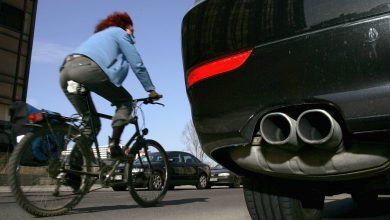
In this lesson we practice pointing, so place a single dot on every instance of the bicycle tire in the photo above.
(43, 189)
(148, 182)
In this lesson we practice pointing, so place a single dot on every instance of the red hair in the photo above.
(116, 19)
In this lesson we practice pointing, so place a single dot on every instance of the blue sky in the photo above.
(62, 25)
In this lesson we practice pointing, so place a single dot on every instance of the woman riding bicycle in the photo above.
(100, 64)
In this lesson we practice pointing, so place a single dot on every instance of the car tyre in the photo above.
(270, 200)
(202, 182)
(236, 183)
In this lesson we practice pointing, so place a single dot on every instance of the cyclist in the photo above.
(100, 64)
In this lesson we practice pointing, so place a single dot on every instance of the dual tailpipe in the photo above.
(315, 127)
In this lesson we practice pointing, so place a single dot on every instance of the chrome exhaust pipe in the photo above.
(319, 129)
(279, 129)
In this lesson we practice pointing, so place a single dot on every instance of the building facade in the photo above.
(17, 20)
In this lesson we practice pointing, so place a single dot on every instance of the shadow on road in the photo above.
(182, 201)
(212, 188)
(118, 207)
(347, 209)
(101, 209)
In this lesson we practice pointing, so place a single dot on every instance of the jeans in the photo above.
(86, 72)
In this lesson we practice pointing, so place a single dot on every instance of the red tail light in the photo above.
(35, 117)
(217, 67)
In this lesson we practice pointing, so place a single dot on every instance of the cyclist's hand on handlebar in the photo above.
(154, 95)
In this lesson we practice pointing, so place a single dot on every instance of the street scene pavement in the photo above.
(187, 203)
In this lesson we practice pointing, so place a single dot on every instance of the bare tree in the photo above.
(191, 140)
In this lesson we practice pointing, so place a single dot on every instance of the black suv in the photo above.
(185, 169)
(294, 95)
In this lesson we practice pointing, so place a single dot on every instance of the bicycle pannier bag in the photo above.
(42, 148)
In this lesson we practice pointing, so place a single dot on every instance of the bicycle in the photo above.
(59, 182)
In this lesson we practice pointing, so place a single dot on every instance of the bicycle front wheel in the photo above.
(148, 177)
(47, 169)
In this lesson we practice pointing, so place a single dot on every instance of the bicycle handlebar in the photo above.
(150, 100)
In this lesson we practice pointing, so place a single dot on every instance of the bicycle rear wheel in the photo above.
(148, 176)
(52, 184)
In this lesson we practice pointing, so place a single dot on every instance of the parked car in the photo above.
(185, 169)
(293, 95)
(188, 170)
(220, 176)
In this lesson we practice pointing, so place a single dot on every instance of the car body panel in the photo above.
(341, 88)
(214, 28)
(330, 55)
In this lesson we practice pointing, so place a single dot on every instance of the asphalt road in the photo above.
(187, 203)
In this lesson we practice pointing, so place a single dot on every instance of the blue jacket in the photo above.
(113, 50)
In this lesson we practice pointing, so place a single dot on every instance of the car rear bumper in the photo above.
(221, 181)
(343, 69)
(338, 68)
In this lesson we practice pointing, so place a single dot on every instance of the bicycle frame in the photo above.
(70, 168)
(134, 141)
(134, 121)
